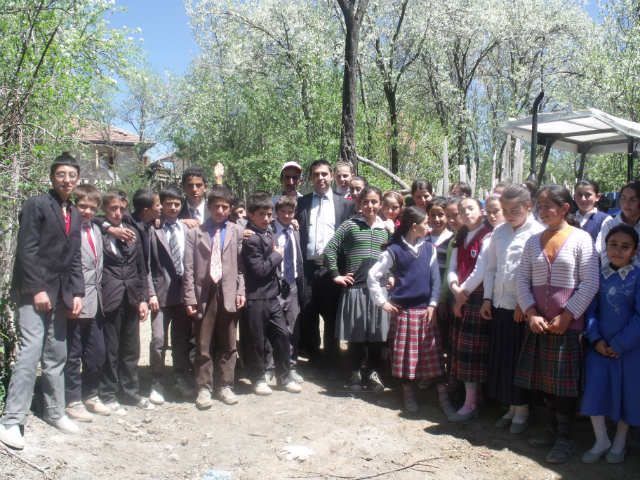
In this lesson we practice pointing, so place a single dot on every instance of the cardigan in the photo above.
(569, 283)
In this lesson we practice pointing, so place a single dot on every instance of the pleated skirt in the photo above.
(359, 319)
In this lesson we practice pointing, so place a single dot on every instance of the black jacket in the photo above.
(261, 265)
(166, 283)
(123, 273)
(47, 260)
(133, 223)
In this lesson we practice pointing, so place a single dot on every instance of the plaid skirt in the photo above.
(471, 342)
(552, 363)
(415, 346)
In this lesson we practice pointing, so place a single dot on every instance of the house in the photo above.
(107, 154)
(175, 162)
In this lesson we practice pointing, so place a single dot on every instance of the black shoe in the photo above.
(544, 440)
(332, 373)
(562, 451)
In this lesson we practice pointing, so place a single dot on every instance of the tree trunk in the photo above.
(353, 21)
(390, 93)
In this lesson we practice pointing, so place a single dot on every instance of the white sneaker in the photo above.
(292, 387)
(156, 397)
(95, 406)
(296, 377)
(63, 424)
(261, 388)
(145, 404)
(11, 436)
(227, 396)
(204, 399)
(77, 411)
(116, 408)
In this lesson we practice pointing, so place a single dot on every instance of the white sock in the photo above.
(522, 413)
(510, 414)
(470, 399)
(602, 439)
(620, 439)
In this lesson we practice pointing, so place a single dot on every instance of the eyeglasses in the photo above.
(62, 175)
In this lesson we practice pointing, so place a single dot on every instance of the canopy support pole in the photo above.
(630, 160)
(547, 149)
(534, 136)
(583, 159)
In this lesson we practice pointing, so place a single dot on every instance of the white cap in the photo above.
(291, 165)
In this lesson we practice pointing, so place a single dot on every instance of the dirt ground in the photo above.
(325, 432)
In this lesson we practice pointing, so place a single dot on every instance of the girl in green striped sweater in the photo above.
(359, 321)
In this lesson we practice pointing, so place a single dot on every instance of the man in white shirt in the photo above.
(290, 179)
(194, 211)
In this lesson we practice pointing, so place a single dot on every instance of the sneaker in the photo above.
(95, 406)
(182, 387)
(355, 384)
(63, 424)
(144, 404)
(261, 388)
(292, 387)
(116, 408)
(269, 376)
(296, 377)
(157, 395)
(411, 404)
(11, 436)
(424, 384)
(77, 411)
(227, 396)
(562, 450)
(375, 383)
(204, 399)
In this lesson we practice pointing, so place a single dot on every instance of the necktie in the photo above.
(320, 229)
(66, 213)
(216, 258)
(174, 246)
(87, 229)
(195, 214)
(289, 270)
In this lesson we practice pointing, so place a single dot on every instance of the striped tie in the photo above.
(174, 246)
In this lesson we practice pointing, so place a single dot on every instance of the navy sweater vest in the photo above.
(593, 224)
(412, 274)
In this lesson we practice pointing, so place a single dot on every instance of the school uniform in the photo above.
(290, 275)
(319, 216)
(200, 213)
(592, 221)
(85, 340)
(124, 288)
(265, 317)
(48, 259)
(166, 267)
(213, 277)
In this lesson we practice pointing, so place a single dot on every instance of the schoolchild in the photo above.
(493, 209)
(439, 235)
(356, 184)
(360, 321)
(414, 335)
(497, 271)
(471, 332)
(392, 203)
(421, 192)
(630, 215)
(48, 287)
(557, 280)
(612, 382)
(460, 189)
(85, 340)
(587, 195)
(343, 174)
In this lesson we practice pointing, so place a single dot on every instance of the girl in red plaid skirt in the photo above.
(471, 332)
(414, 335)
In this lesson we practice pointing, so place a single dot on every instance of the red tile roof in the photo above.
(114, 135)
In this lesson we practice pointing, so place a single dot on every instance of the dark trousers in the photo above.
(85, 359)
(121, 329)
(365, 356)
(174, 321)
(291, 308)
(320, 298)
(265, 320)
(215, 335)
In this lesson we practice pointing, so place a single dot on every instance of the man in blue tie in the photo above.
(291, 275)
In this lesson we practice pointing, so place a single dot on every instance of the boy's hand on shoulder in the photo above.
(154, 306)
(279, 250)
(122, 233)
(191, 310)
(143, 309)
(295, 224)
(191, 223)
(240, 301)
(247, 233)
(41, 302)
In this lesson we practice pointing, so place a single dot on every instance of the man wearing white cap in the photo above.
(290, 178)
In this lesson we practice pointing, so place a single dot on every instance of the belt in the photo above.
(316, 261)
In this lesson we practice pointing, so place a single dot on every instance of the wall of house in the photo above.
(108, 173)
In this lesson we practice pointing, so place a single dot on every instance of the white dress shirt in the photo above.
(180, 234)
(452, 274)
(385, 263)
(315, 249)
(203, 212)
(112, 242)
(281, 238)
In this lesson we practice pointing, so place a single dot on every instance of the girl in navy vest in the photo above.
(414, 335)
(471, 332)
(590, 219)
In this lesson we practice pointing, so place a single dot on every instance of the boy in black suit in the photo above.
(290, 274)
(265, 317)
(48, 286)
(166, 266)
(125, 291)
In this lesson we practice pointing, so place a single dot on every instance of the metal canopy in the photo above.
(585, 132)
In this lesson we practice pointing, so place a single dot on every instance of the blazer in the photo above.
(299, 262)
(122, 273)
(344, 209)
(92, 270)
(47, 260)
(261, 263)
(165, 283)
(197, 258)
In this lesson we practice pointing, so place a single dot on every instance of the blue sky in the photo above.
(167, 35)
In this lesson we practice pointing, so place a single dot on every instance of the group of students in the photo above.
(499, 298)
